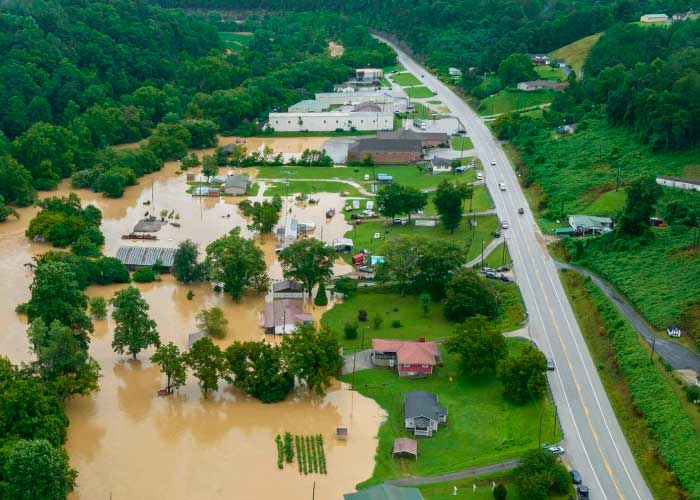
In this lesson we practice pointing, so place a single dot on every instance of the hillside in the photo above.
(575, 53)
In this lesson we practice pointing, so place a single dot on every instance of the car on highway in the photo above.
(461, 131)
(556, 449)
(521, 210)
(575, 477)
(550, 365)
(493, 162)
(504, 224)
(502, 186)
(582, 492)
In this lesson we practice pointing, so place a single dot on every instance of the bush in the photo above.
(321, 297)
(396, 324)
(98, 307)
(346, 286)
(144, 275)
(500, 492)
(377, 321)
(693, 393)
(350, 330)
(362, 315)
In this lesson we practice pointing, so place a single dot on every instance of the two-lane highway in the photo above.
(594, 441)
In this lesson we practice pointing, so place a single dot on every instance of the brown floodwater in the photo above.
(128, 443)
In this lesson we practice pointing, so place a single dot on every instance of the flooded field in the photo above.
(128, 443)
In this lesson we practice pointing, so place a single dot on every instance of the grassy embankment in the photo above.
(549, 73)
(509, 100)
(420, 92)
(575, 53)
(405, 79)
(235, 41)
(408, 310)
(461, 143)
(482, 426)
(639, 434)
(444, 491)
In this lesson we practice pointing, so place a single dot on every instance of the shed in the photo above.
(385, 178)
(134, 257)
(674, 331)
(236, 184)
(405, 447)
(341, 433)
(439, 165)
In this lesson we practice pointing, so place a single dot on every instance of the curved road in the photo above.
(594, 441)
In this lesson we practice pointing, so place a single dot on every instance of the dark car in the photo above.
(505, 279)
(496, 234)
(492, 275)
(521, 210)
(503, 269)
(582, 492)
(575, 477)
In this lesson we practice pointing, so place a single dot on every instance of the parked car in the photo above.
(366, 177)
(505, 279)
(479, 176)
(496, 234)
(550, 364)
(492, 275)
(502, 186)
(521, 210)
(575, 477)
(582, 492)
(459, 170)
(493, 162)
(556, 449)
(487, 270)
(503, 269)
(461, 131)
(399, 220)
(504, 224)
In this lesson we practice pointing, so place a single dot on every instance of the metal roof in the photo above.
(146, 256)
(422, 404)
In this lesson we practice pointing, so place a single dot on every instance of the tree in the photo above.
(258, 369)
(212, 322)
(62, 358)
(189, 161)
(98, 307)
(540, 474)
(689, 320)
(313, 356)
(516, 68)
(390, 200)
(479, 346)
(209, 166)
(237, 263)
(321, 297)
(437, 262)
(56, 295)
(345, 286)
(467, 295)
(500, 492)
(641, 199)
(145, 275)
(49, 152)
(424, 298)
(414, 200)
(172, 364)
(448, 201)
(35, 469)
(134, 330)
(523, 377)
(400, 262)
(15, 182)
(185, 267)
(208, 364)
(309, 261)
(265, 216)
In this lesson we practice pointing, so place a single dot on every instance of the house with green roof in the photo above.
(385, 492)
(309, 106)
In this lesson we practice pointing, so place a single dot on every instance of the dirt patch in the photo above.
(335, 49)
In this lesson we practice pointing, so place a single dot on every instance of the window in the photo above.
(424, 366)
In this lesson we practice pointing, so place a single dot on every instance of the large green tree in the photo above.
(541, 474)
(172, 364)
(134, 329)
(15, 182)
(212, 322)
(258, 368)
(237, 263)
(448, 201)
(523, 376)
(467, 294)
(516, 68)
(265, 216)
(309, 261)
(313, 356)
(208, 364)
(479, 345)
(641, 200)
(185, 266)
(36, 470)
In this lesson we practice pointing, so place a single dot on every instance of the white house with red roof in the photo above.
(411, 359)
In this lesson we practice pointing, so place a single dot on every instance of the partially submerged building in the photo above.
(281, 317)
(287, 289)
(136, 257)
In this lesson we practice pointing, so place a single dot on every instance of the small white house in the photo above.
(654, 19)
(440, 166)
(454, 72)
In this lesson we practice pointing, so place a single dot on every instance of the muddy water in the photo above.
(128, 443)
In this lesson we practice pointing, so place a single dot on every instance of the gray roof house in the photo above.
(137, 257)
(439, 165)
(590, 224)
(422, 414)
(236, 184)
(287, 289)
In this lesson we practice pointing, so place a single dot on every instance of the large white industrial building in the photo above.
(357, 97)
(331, 121)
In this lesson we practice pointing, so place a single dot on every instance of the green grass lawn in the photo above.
(420, 92)
(549, 73)
(511, 100)
(498, 257)
(405, 79)
(575, 53)
(310, 187)
(481, 201)
(608, 203)
(444, 491)
(235, 40)
(363, 234)
(482, 426)
(393, 69)
(461, 143)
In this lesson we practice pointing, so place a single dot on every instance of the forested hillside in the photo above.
(466, 33)
(77, 76)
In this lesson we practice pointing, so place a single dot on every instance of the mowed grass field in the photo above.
(482, 427)
(549, 73)
(235, 40)
(310, 187)
(512, 100)
(405, 79)
(420, 92)
(575, 53)
(461, 143)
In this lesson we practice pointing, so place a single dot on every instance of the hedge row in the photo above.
(653, 396)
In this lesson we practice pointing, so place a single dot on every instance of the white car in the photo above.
(502, 186)
(493, 162)
(557, 450)
(480, 176)
(504, 224)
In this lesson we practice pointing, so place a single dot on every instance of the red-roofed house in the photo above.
(411, 359)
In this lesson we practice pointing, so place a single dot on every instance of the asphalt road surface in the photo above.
(594, 442)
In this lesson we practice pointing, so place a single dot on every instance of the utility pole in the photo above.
(482, 254)
(503, 258)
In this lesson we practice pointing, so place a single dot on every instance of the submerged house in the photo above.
(422, 414)
(281, 317)
(287, 289)
(134, 257)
